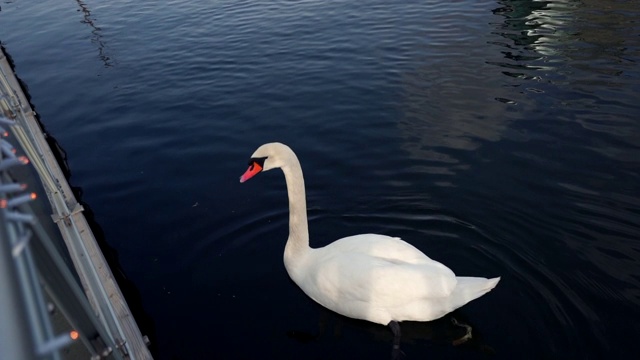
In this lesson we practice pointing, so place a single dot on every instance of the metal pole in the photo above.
(15, 335)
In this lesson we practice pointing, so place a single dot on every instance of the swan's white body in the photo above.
(370, 277)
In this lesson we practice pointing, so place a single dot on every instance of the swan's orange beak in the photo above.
(253, 169)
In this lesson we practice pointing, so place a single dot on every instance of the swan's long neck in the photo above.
(298, 242)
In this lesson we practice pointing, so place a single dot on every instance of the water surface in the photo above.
(500, 137)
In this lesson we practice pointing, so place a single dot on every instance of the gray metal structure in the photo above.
(58, 297)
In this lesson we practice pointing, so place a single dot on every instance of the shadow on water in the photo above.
(578, 62)
(567, 235)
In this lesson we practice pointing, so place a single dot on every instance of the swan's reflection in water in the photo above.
(453, 332)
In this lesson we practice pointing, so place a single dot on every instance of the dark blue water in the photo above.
(500, 137)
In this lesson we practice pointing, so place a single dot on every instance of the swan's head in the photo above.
(268, 156)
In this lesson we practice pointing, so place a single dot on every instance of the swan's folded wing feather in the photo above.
(376, 245)
(359, 278)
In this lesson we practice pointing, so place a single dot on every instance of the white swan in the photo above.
(371, 277)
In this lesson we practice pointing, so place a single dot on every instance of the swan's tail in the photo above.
(471, 288)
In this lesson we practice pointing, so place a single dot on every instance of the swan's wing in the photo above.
(376, 278)
(358, 279)
(387, 247)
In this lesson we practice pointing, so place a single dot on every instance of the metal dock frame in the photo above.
(98, 310)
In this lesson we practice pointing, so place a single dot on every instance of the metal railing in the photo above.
(55, 286)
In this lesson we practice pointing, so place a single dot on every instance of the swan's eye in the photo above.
(258, 161)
